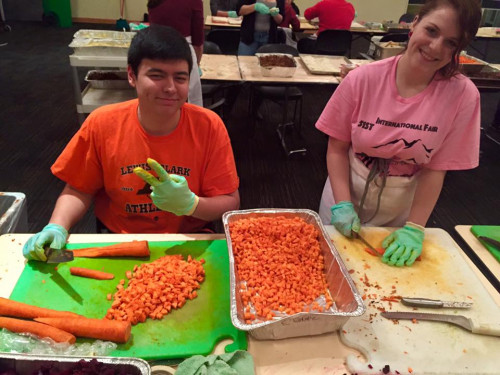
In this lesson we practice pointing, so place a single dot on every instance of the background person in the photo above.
(188, 20)
(197, 179)
(290, 24)
(392, 140)
(332, 14)
(260, 22)
(224, 8)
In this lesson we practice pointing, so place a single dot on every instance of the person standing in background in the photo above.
(260, 23)
(224, 8)
(186, 18)
(292, 20)
(332, 14)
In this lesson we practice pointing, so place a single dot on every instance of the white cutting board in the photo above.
(423, 347)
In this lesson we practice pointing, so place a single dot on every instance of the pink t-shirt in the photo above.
(438, 128)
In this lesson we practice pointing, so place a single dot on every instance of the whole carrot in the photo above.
(38, 329)
(23, 310)
(103, 329)
(92, 274)
(124, 249)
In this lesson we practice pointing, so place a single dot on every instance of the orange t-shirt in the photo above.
(101, 156)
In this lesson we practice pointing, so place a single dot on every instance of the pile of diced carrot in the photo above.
(467, 60)
(155, 288)
(280, 264)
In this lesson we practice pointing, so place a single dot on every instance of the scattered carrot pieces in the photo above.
(156, 288)
(410, 370)
(280, 264)
(467, 60)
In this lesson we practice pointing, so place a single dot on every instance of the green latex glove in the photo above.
(237, 363)
(170, 191)
(261, 8)
(232, 14)
(404, 245)
(200, 72)
(274, 11)
(345, 219)
(52, 234)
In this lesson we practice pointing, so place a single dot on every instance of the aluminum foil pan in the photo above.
(100, 47)
(103, 34)
(28, 364)
(347, 300)
(277, 71)
(121, 81)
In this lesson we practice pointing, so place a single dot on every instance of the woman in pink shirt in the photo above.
(397, 125)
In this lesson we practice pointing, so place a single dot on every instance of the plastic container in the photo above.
(384, 50)
(13, 213)
(277, 71)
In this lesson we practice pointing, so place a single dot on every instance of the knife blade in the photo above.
(357, 236)
(434, 303)
(490, 241)
(58, 255)
(459, 320)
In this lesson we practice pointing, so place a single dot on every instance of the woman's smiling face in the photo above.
(434, 40)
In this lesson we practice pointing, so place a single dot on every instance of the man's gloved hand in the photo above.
(170, 192)
(232, 14)
(52, 234)
(274, 11)
(404, 245)
(261, 8)
(345, 219)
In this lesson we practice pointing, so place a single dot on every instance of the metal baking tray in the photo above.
(277, 71)
(103, 34)
(100, 47)
(121, 82)
(347, 300)
(28, 364)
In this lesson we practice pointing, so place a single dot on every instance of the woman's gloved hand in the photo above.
(170, 191)
(53, 235)
(274, 11)
(232, 14)
(345, 219)
(261, 8)
(404, 245)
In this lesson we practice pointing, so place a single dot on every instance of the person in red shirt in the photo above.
(332, 14)
(110, 160)
(290, 18)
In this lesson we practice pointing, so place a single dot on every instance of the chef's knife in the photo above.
(434, 303)
(490, 241)
(459, 320)
(58, 255)
(357, 236)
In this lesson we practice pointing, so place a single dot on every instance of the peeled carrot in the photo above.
(124, 249)
(22, 310)
(103, 329)
(38, 329)
(92, 274)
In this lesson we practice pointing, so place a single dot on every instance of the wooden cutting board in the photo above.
(422, 347)
(323, 64)
(194, 329)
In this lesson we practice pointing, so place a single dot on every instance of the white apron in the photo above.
(194, 96)
(395, 202)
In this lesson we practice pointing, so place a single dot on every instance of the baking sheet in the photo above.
(323, 64)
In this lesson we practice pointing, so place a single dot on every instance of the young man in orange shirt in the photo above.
(108, 159)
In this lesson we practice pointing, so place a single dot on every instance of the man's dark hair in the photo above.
(158, 43)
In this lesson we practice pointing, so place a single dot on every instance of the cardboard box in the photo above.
(384, 50)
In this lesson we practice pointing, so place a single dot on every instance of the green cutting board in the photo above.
(492, 231)
(194, 329)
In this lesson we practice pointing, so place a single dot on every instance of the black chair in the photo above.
(280, 95)
(227, 40)
(213, 93)
(395, 37)
(334, 42)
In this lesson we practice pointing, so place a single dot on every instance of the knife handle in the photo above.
(421, 302)
(485, 329)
